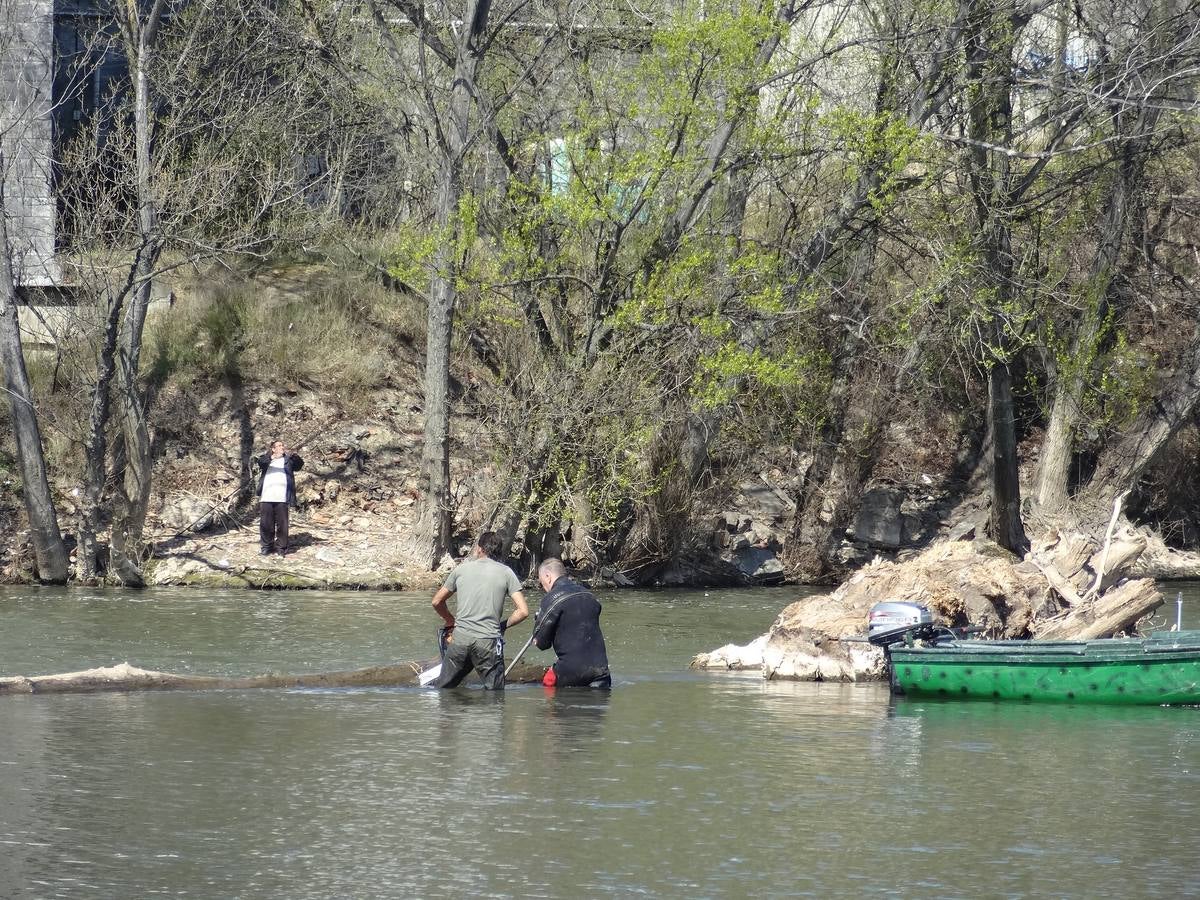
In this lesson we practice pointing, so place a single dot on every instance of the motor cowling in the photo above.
(890, 620)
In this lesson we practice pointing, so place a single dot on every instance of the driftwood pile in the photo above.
(1069, 586)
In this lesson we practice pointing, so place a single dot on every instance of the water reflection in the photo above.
(572, 720)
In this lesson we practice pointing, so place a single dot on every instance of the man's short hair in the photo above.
(552, 566)
(491, 544)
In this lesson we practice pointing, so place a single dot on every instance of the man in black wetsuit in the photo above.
(569, 620)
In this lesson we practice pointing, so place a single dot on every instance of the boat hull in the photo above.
(1151, 671)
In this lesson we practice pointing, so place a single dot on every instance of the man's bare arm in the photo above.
(521, 613)
(440, 607)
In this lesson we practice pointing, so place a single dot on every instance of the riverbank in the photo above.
(327, 358)
(354, 555)
(342, 384)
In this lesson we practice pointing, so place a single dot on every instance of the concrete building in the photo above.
(27, 137)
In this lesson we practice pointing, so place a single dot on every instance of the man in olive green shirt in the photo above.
(473, 642)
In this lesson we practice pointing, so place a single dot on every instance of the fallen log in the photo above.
(1056, 580)
(1115, 565)
(1117, 610)
(1070, 555)
(124, 677)
(1099, 567)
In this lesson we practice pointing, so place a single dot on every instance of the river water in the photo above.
(678, 784)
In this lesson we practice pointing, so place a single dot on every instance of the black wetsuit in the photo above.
(569, 620)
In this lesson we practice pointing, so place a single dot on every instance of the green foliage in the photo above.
(672, 288)
(795, 379)
(410, 253)
(617, 284)
(1124, 385)
(603, 471)
(884, 143)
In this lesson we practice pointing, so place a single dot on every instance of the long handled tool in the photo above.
(520, 652)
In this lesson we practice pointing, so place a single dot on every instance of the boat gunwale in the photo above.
(928, 656)
(1136, 654)
(1163, 645)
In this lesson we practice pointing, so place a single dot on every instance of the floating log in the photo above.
(125, 677)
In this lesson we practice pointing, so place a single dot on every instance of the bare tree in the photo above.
(444, 77)
(39, 502)
(992, 34)
(24, 109)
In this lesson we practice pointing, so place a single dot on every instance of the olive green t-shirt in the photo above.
(480, 586)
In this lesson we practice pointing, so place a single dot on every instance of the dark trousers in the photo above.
(481, 655)
(273, 526)
(567, 676)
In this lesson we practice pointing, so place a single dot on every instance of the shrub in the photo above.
(318, 330)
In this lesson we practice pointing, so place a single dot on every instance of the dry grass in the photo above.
(295, 324)
(334, 329)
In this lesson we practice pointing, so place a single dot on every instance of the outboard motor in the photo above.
(888, 622)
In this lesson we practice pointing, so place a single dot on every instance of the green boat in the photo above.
(1161, 669)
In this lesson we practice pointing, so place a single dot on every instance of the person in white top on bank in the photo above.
(276, 494)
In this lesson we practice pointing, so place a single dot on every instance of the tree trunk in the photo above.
(132, 497)
(129, 514)
(1054, 458)
(1134, 128)
(125, 677)
(95, 446)
(1125, 460)
(434, 512)
(989, 70)
(119, 352)
(1054, 467)
(1005, 517)
(434, 519)
(39, 503)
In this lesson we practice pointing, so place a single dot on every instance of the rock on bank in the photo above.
(1066, 587)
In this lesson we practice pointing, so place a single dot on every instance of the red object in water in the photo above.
(550, 679)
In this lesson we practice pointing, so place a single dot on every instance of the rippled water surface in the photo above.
(678, 784)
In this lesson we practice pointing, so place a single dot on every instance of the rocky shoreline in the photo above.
(359, 486)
